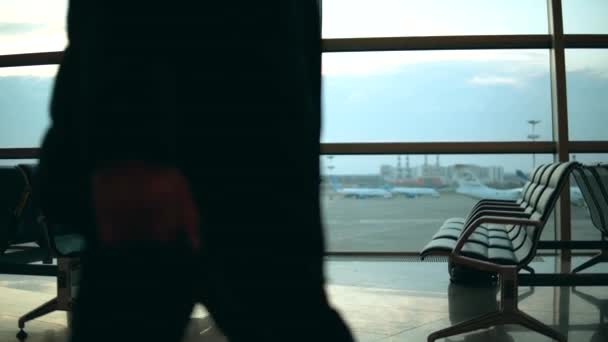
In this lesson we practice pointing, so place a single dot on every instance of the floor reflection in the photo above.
(466, 302)
(564, 312)
(382, 302)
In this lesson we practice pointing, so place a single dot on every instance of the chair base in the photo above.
(62, 302)
(598, 258)
(498, 318)
(508, 313)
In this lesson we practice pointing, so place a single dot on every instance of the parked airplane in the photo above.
(360, 193)
(470, 186)
(412, 192)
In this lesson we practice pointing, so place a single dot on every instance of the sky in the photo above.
(382, 96)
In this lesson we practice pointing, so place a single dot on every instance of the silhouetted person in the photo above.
(173, 116)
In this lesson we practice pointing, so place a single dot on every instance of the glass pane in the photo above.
(32, 26)
(587, 82)
(24, 100)
(585, 16)
(436, 96)
(582, 226)
(377, 18)
(397, 203)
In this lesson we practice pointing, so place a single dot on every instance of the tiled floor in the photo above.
(381, 301)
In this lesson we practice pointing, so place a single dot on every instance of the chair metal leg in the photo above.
(601, 257)
(481, 322)
(48, 307)
(526, 295)
(42, 310)
(536, 325)
(63, 301)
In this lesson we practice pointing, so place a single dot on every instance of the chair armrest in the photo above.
(506, 204)
(502, 208)
(500, 213)
(496, 207)
(496, 201)
(470, 228)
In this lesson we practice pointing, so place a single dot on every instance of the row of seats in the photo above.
(20, 222)
(501, 237)
(24, 223)
(511, 244)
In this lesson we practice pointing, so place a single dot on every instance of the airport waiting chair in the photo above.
(490, 241)
(592, 180)
(21, 239)
(12, 190)
(505, 242)
(66, 245)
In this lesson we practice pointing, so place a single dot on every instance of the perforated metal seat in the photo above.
(527, 189)
(500, 243)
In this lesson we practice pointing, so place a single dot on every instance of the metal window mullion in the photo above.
(540, 41)
(560, 114)
(31, 59)
(586, 41)
(491, 147)
(513, 147)
(533, 41)
(19, 153)
(588, 146)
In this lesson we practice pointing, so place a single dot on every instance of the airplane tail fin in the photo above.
(522, 175)
(464, 176)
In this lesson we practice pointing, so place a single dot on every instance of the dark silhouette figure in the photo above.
(182, 114)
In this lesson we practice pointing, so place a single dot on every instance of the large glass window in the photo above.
(32, 26)
(24, 101)
(397, 203)
(378, 18)
(393, 203)
(585, 16)
(436, 96)
(587, 83)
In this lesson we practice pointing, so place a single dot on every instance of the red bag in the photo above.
(136, 202)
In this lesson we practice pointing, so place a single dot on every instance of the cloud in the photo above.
(369, 63)
(32, 26)
(494, 80)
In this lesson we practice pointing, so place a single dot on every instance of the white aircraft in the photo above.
(412, 192)
(470, 186)
(360, 193)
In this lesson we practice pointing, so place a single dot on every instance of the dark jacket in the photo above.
(227, 92)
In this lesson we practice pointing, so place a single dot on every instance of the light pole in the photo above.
(533, 136)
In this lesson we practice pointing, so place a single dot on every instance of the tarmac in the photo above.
(408, 224)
